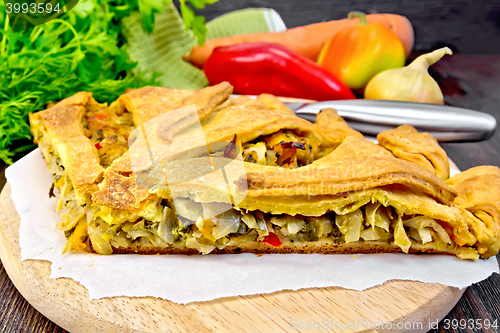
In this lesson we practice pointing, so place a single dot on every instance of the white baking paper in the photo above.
(185, 279)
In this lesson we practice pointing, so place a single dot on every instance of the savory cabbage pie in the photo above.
(266, 181)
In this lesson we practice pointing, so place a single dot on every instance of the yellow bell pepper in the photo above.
(356, 54)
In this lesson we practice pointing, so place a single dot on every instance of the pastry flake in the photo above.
(407, 143)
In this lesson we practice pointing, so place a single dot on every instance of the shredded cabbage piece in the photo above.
(226, 223)
(264, 228)
(350, 225)
(295, 225)
(96, 230)
(166, 225)
(280, 221)
(188, 209)
(323, 225)
(120, 240)
(249, 220)
(375, 234)
(289, 225)
(425, 235)
(204, 248)
(252, 235)
(376, 216)
(400, 237)
(421, 222)
(69, 220)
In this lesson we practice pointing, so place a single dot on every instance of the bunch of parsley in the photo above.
(81, 50)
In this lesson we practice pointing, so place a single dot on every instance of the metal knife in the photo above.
(445, 123)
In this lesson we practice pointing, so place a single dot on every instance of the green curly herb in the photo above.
(82, 50)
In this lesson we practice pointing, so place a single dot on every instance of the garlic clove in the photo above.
(411, 83)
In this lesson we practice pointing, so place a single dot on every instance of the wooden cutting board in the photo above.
(401, 306)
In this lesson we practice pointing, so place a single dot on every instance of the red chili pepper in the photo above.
(256, 68)
(98, 146)
(272, 240)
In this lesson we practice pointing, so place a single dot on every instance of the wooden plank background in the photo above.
(467, 26)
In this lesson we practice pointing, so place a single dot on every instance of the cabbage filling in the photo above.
(186, 228)
(283, 148)
(108, 128)
(210, 226)
(73, 219)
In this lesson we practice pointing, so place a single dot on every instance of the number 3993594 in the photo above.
(32, 8)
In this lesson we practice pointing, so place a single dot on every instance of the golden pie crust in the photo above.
(407, 170)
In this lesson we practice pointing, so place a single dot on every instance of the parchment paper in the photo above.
(185, 279)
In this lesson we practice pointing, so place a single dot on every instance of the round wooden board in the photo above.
(402, 306)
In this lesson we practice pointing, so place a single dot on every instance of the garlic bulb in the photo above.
(411, 83)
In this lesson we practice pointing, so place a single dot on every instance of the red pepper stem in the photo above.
(360, 15)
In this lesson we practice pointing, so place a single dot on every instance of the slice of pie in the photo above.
(171, 171)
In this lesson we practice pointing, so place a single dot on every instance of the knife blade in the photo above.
(445, 123)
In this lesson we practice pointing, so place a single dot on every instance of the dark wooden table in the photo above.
(467, 81)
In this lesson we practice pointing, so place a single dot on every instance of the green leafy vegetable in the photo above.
(163, 49)
(82, 50)
(193, 21)
(148, 8)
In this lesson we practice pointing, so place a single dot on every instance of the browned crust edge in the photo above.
(263, 248)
